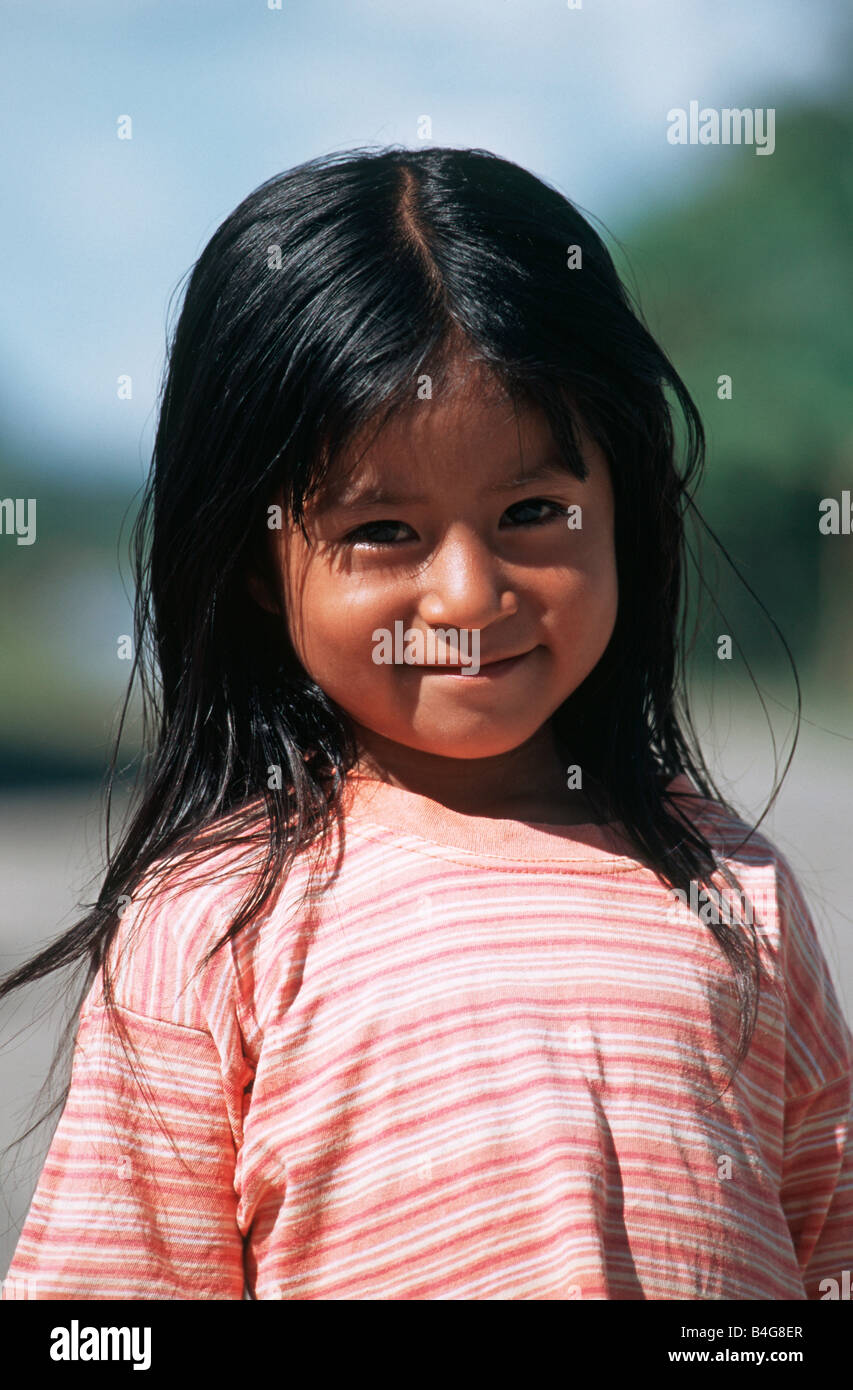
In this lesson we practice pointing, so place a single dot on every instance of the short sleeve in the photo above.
(817, 1179)
(137, 1197)
(125, 1209)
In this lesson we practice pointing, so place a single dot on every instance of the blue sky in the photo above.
(98, 232)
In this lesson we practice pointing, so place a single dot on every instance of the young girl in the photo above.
(429, 972)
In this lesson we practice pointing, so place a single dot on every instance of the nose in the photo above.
(465, 585)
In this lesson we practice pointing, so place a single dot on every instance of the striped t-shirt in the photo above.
(485, 1063)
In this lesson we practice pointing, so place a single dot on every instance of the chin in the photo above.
(467, 748)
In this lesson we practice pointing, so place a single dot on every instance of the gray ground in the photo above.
(50, 845)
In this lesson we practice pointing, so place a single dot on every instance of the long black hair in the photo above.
(313, 311)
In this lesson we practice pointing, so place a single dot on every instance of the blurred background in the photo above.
(741, 264)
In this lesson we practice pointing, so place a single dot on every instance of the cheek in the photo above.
(607, 583)
(337, 617)
(585, 607)
(605, 590)
(599, 569)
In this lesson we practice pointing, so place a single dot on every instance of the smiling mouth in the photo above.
(458, 668)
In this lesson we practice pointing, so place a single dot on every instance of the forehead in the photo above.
(473, 425)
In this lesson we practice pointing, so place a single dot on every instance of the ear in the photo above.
(257, 587)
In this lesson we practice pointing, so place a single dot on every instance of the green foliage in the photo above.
(752, 279)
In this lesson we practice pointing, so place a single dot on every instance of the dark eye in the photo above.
(367, 534)
(554, 509)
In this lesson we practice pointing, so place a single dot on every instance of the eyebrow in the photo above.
(375, 494)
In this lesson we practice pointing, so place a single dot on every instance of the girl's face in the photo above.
(456, 518)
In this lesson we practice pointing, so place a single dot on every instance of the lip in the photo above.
(489, 670)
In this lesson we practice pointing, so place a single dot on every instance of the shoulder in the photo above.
(745, 849)
(819, 1036)
(165, 960)
(177, 911)
(727, 831)
(776, 900)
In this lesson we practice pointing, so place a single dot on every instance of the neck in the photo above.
(526, 783)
